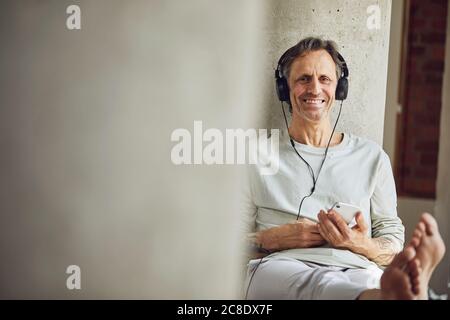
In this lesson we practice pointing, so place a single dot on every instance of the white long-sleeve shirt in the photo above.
(356, 171)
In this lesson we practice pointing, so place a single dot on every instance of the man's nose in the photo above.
(314, 86)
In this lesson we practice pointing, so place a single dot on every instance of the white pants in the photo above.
(291, 279)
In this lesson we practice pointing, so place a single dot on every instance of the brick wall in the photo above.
(418, 134)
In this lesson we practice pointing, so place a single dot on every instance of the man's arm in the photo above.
(387, 232)
(298, 234)
(382, 250)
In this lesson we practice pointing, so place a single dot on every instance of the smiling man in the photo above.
(319, 256)
(312, 80)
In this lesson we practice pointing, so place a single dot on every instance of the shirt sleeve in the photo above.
(247, 204)
(383, 204)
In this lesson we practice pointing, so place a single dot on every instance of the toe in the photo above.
(403, 257)
(415, 241)
(413, 267)
(421, 227)
(417, 233)
(430, 223)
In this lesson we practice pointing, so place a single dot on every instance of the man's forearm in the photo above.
(264, 240)
(382, 250)
(298, 234)
(275, 238)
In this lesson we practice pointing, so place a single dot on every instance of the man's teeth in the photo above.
(314, 100)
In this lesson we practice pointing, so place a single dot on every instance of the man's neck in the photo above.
(314, 134)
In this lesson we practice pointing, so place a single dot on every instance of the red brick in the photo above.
(431, 132)
(425, 172)
(406, 171)
(417, 23)
(429, 159)
(441, 3)
(438, 53)
(414, 86)
(433, 37)
(439, 25)
(416, 50)
(424, 67)
(412, 38)
(426, 118)
(420, 188)
(412, 62)
(434, 79)
(432, 92)
(411, 158)
(416, 104)
(432, 10)
(434, 105)
(414, 8)
(426, 145)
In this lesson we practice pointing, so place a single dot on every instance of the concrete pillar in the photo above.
(440, 278)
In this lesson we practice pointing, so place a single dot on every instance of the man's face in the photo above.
(312, 82)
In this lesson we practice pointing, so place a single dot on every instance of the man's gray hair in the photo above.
(307, 45)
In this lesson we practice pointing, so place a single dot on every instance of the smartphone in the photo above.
(346, 210)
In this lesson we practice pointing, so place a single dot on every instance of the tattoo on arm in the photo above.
(386, 250)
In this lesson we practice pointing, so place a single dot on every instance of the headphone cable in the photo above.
(311, 171)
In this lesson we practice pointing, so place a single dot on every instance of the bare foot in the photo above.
(430, 249)
(396, 282)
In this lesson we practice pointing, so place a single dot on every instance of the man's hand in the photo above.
(301, 233)
(335, 230)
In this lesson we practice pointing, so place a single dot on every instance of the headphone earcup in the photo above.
(282, 90)
(342, 89)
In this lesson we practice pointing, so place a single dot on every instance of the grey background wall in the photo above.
(86, 119)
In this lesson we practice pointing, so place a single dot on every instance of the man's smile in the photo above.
(313, 102)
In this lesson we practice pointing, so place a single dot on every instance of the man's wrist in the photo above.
(255, 241)
(366, 248)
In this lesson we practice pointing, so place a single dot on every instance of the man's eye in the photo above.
(325, 79)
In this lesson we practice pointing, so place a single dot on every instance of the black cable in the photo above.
(332, 132)
(253, 273)
(311, 171)
(323, 160)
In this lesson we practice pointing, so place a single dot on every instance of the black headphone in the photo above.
(283, 88)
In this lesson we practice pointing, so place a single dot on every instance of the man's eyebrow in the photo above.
(303, 75)
(310, 75)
